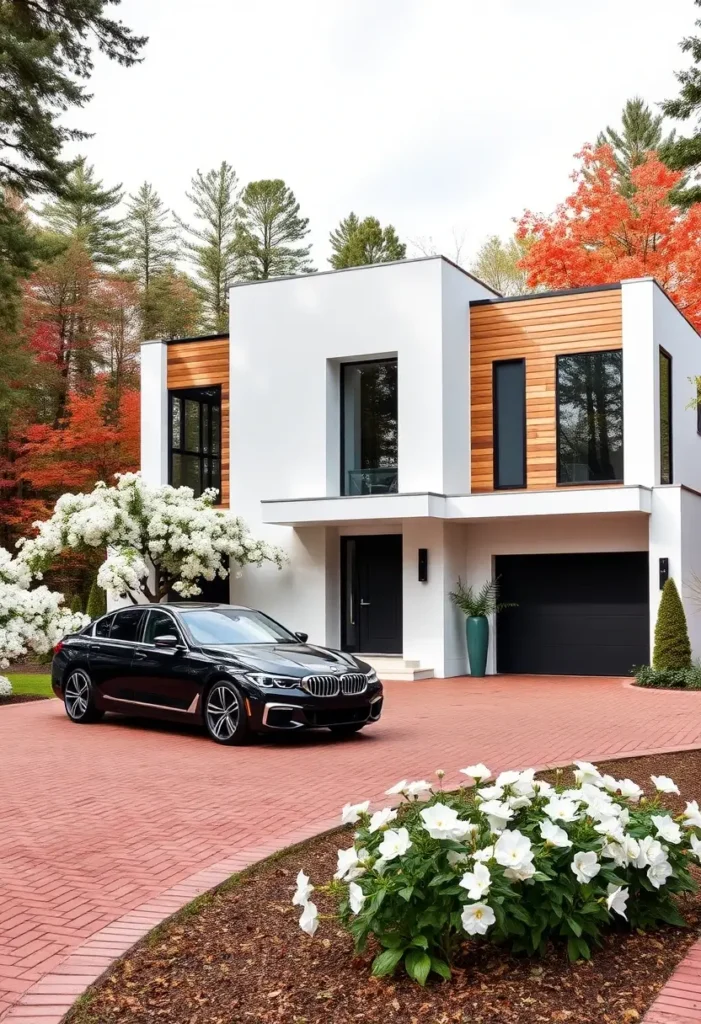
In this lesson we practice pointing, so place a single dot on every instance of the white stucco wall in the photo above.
(691, 566)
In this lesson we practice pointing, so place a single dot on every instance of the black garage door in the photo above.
(576, 615)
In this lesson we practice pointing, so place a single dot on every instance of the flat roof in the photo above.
(548, 295)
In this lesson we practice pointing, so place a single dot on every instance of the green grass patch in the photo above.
(34, 685)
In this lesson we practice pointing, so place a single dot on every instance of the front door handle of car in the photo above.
(94, 647)
(140, 654)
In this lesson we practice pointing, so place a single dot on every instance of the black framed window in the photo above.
(126, 624)
(665, 417)
(590, 418)
(369, 427)
(195, 439)
(509, 404)
(698, 405)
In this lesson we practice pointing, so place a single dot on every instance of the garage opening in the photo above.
(583, 614)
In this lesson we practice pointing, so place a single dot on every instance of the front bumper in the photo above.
(289, 715)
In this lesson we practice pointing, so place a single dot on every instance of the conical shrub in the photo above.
(672, 647)
(97, 602)
(76, 603)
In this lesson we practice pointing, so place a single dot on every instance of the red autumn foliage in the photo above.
(599, 236)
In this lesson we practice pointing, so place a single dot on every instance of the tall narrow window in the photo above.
(369, 427)
(509, 400)
(195, 439)
(665, 418)
(590, 418)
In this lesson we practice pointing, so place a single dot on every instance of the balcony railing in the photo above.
(372, 481)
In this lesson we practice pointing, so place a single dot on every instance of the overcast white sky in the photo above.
(429, 114)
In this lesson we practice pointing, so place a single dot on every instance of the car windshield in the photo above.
(234, 626)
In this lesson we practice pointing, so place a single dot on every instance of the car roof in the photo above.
(184, 606)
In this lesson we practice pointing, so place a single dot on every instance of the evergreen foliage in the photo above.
(268, 226)
(672, 647)
(83, 211)
(640, 132)
(357, 243)
(172, 307)
(212, 242)
(151, 238)
(684, 152)
(76, 603)
(97, 602)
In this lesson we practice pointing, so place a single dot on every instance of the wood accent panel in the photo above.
(199, 364)
(536, 330)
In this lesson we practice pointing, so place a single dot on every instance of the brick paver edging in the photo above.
(49, 1000)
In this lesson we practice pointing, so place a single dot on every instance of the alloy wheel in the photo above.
(223, 712)
(77, 694)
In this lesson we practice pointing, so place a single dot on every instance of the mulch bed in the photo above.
(238, 957)
(22, 698)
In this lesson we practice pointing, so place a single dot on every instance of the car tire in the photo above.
(79, 698)
(225, 717)
(347, 730)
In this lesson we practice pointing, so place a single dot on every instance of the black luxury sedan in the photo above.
(234, 670)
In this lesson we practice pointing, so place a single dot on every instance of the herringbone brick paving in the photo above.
(100, 825)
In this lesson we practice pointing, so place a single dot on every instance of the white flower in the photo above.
(611, 828)
(692, 815)
(696, 846)
(617, 899)
(394, 844)
(490, 792)
(477, 882)
(397, 788)
(659, 872)
(347, 866)
(585, 866)
(664, 784)
(507, 778)
(543, 788)
(666, 828)
(309, 921)
(381, 818)
(478, 772)
(482, 856)
(609, 783)
(629, 790)
(5, 687)
(442, 822)
(303, 890)
(554, 835)
(351, 812)
(356, 897)
(512, 849)
(417, 788)
(498, 814)
(455, 859)
(522, 873)
(650, 852)
(477, 918)
(559, 808)
(587, 773)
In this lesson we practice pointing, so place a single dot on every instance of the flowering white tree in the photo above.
(30, 620)
(158, 539)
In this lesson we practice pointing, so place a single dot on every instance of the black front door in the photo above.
(372, 594)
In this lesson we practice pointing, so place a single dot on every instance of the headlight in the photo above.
(262, 679)
(372, 677)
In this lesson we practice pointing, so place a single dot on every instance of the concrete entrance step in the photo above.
(394, 667)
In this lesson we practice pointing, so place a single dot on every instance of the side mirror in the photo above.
(302, 637)
(168, 640)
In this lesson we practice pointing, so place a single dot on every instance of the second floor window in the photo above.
(369, 427)
(195, 439)
(590, 418)
(665, 417)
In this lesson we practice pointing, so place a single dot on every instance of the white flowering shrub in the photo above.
(158, 538)
(5, 687)
(31, 621)
(518, 862)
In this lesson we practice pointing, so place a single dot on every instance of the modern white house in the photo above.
(398, 426)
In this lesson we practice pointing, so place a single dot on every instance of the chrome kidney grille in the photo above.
(330, 686)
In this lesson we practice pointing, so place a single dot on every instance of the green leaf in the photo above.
(583, 949)
(441, 967)
(520, 912)
(575, 928)
(407, 892)
(421, 941)
(572, 949)
(386, 962)
(418, 965)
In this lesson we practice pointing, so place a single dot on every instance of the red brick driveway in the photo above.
(101, 826)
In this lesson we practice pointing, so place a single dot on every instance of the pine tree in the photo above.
(83, 213)
(497, 264)
(672, 647)
(151, 238)
(173, 308)
(357, 243)
(684, 152)
(97, 602)
(212, 246)
(46, 51)
(268, 225)
(640, 132)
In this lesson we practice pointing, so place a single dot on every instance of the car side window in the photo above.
(126, 625)
(103, 626)
(160, 624)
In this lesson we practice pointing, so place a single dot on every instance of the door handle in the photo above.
(141, 655)
(364, 604)
(94, 647)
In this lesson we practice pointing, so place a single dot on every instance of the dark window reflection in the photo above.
(369, 441)
(195, 435)
(590, 417)
(665, 418)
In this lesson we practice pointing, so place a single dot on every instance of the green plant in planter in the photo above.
(672, 648)
(477, 606)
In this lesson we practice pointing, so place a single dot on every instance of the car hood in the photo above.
(287, 659)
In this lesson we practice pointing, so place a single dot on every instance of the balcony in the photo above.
(372, 481)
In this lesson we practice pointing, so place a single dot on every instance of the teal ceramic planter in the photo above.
(477, 633)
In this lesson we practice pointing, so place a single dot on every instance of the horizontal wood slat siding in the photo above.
(199, 364)
(536, 330)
